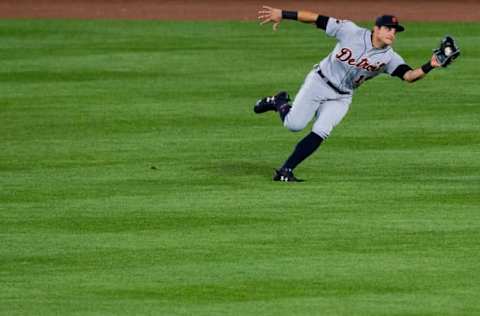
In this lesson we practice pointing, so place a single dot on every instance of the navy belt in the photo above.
(331, 84)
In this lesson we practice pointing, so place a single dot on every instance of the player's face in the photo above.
(386, 34)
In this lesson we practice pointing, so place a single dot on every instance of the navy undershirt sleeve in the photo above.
(322, 21)
(401, 70)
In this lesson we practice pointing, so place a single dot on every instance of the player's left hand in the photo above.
(447, 52)
(269, 14)
(434, 62)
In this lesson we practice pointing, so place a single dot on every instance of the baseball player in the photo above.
(325, 96)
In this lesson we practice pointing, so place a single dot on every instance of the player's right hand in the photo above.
(269, 14)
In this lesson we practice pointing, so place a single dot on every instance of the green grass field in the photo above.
(136, 180)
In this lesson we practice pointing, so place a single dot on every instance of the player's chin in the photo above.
(389, 41)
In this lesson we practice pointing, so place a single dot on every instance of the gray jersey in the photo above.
(354, 59)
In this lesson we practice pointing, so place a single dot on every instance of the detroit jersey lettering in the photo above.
(354, 59)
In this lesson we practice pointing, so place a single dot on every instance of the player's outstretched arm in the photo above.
(268, 14)
(416, 74)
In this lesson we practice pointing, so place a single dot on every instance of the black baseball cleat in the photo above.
(271, 103)
(285, 175)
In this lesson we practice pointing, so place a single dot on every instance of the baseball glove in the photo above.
(447, 52)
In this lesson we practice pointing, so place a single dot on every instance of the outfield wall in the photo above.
(411, 10)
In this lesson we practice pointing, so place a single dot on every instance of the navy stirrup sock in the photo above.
(283, 110)
(303, 149)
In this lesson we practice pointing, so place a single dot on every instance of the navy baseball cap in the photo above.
(390, 21)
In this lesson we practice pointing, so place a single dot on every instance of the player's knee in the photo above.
(294, 126)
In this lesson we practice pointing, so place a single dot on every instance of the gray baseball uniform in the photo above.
(327, 91)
